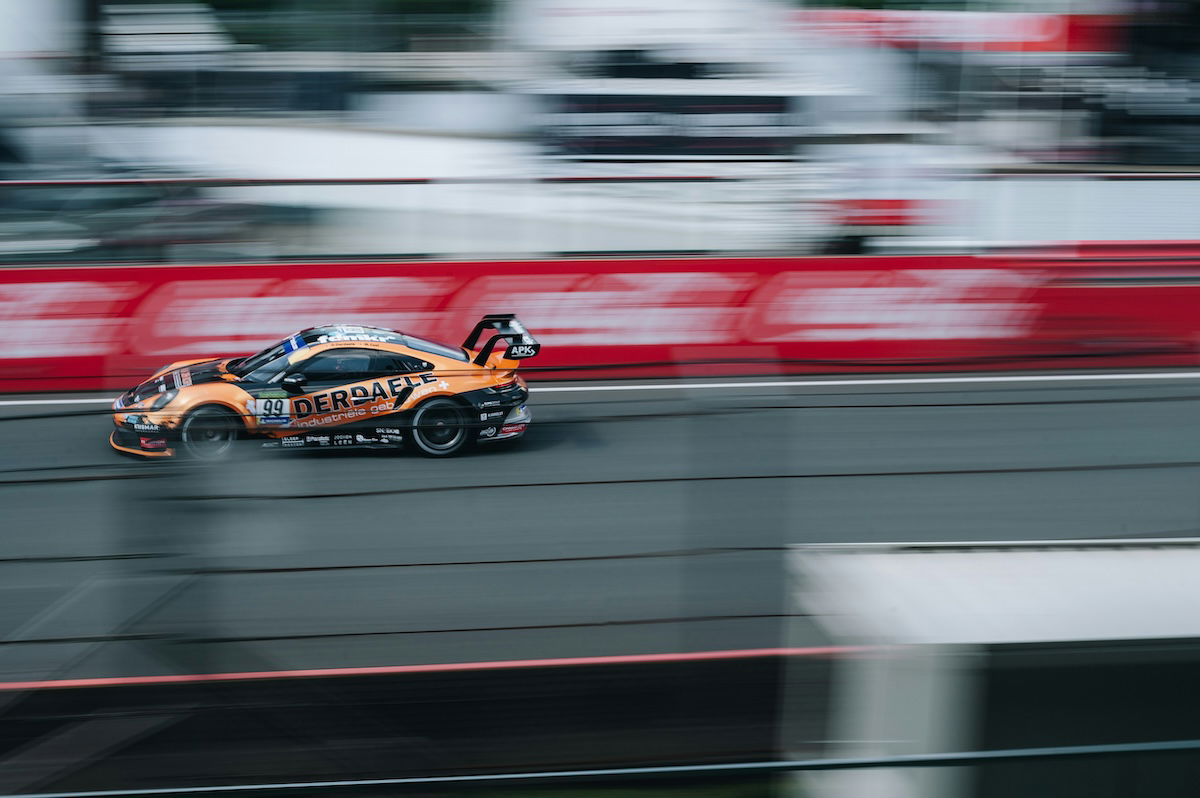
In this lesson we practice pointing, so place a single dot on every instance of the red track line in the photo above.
(448, 667)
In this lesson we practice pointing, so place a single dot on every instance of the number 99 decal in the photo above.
(272, 411)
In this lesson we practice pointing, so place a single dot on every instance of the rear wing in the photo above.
(503, 327)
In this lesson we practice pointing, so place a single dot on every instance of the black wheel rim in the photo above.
(440, 427)
(208, 435)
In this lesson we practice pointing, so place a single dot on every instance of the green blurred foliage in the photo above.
(374, 6)
(356, 25)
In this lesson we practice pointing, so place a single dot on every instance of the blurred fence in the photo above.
(768, 205)
(745, 206)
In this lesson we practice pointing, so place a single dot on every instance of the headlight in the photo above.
(164, 399)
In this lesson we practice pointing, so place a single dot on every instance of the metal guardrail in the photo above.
(956, 758)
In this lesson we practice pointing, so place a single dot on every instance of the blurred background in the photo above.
(844, 127)
(864, 428)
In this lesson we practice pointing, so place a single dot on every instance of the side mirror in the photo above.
(294, 383)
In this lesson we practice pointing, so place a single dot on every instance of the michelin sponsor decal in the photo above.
(272, 408)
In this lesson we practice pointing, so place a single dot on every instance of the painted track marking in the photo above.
(676, 386)
(1008, 378)
(447, 667)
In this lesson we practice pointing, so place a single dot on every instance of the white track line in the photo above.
(95, 400)
(677, 386)
(1165, 375)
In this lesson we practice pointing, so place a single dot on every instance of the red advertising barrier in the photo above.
(980, 31)
(87, 328)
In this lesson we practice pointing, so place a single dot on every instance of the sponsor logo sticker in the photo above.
(349, 336)
(335, 406)
(272, 410)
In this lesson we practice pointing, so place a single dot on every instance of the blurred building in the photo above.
(992, 646)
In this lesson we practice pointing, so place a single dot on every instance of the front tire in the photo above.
(209, 433)
(439, 428)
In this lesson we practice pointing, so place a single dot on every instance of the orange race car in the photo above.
(336, 385)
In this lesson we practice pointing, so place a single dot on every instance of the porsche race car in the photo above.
(336, 386)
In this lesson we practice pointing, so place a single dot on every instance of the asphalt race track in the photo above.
(627, 522)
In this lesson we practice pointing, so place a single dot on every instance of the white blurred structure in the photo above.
(151, 34)
(40, 41)
(939, 629)
(732, 32)
(39, 28)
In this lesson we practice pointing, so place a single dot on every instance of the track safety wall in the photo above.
(101, 328)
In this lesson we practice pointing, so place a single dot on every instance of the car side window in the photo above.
(387, 364)
(338, 366)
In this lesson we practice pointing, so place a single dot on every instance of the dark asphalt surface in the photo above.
(627, 522)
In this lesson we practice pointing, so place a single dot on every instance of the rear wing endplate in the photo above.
(503, 327)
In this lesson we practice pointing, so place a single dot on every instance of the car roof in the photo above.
(327, 333)
(356, 333)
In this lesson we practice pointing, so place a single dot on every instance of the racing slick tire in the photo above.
(440, 428)
(209, 433)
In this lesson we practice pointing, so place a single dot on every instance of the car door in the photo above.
(350, 385)
(399, 376)
(324, 398)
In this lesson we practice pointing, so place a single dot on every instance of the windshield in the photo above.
(244, 366)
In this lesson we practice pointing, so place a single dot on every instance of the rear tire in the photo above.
(209, 433)
(439, 428)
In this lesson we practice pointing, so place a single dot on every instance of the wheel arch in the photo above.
(468, 426)
(240, 413)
